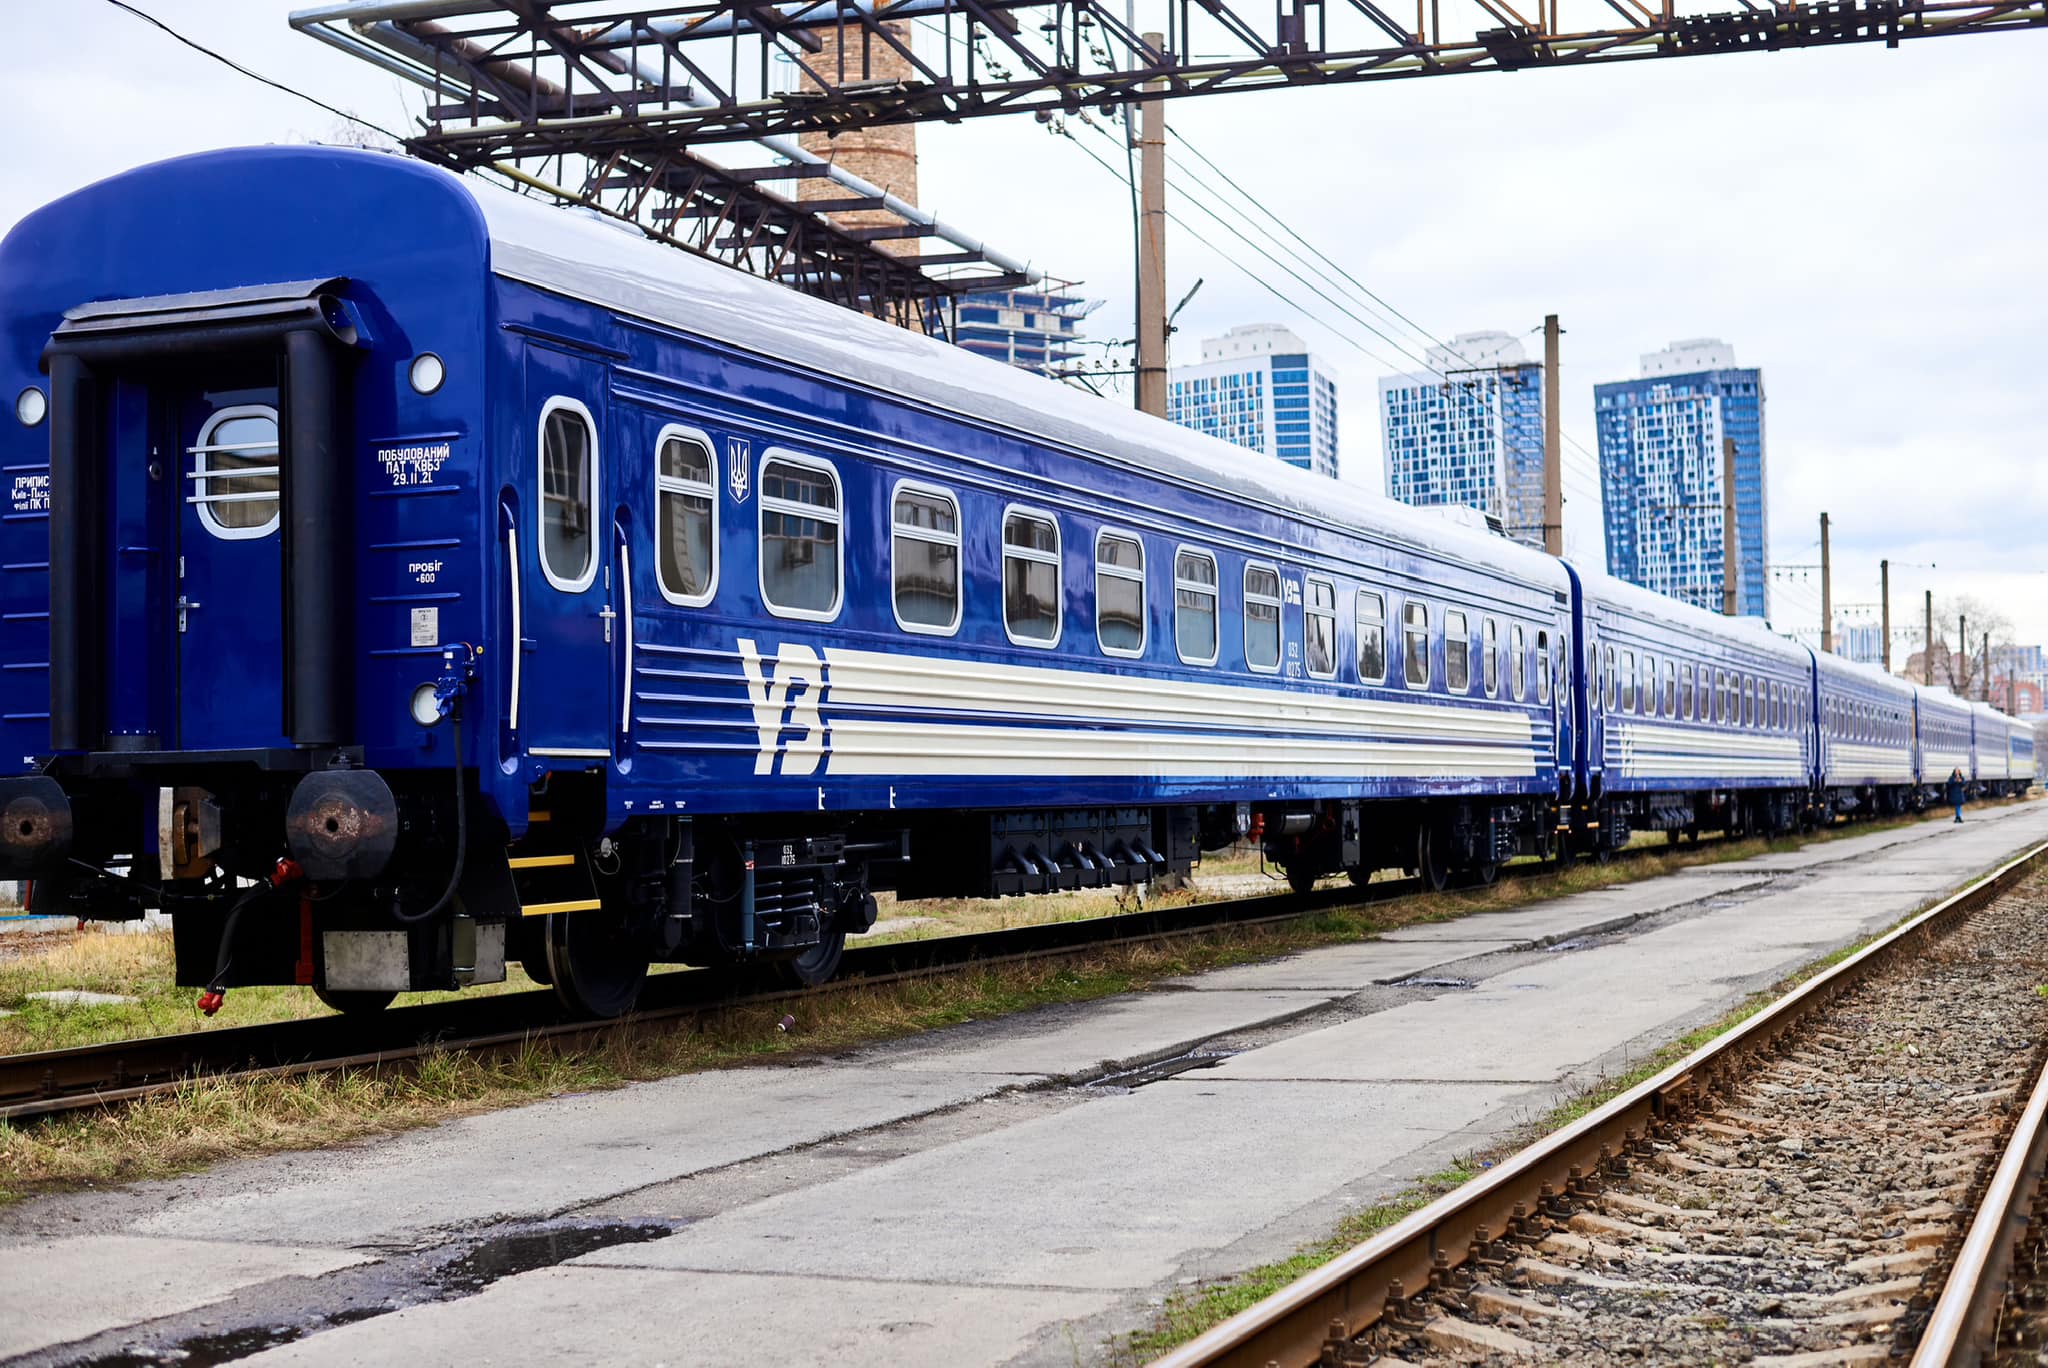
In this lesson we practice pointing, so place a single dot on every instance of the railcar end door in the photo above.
(566, 567)
(227, 575)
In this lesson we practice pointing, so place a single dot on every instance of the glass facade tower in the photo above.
(1259, 386)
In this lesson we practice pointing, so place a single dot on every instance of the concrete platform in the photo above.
(1007, 1191)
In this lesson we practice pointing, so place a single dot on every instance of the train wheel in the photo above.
(1671, 835)
(815, 965)
(596, 968)
(1359, 876)
(1301, 878)
(1430, 867)
(355, 1001)
(1486, 875)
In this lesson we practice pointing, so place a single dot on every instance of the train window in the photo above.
(1628, 681)
(1670, 689)
(1119, 594)
(1415, 643)
(1608, 672)
(1262, 617)
(1543, 667)
(1518, 665)
(800, 545)
(1194, 607)
(685, 517)
(1320, 629)
(1457, 653)
(1685, 691)
(1489, 661)
(1649, 684)
(924, 560)
(1031, 578)
(1720, 699)
(568, 474)
(1372, 638)
(234, 472)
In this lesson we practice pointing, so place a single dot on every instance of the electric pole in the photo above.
(1553, 443)
(1984, 685)
(1729, 606)
(1962, 661)
(1927, 656)
(1152, 246)
(1884, 593)
(1827, 593)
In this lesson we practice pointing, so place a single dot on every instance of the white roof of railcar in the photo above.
(1869, 674)
(1685, 617)
(582, 254)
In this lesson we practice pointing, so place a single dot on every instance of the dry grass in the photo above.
(209, 1120)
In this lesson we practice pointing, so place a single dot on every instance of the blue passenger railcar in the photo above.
(1865, 722)
(403, 576)
(1942, 729)
(1695, 721)
(2020, 755)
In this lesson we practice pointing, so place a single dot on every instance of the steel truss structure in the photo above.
(613, 78)
(724, 209)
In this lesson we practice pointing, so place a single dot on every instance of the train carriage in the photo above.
(404, 577)
(1694, 721)
(2019, 754)
(1942, 727)
(1864, 719)
(1990, 749)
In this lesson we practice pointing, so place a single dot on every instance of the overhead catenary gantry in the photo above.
(641, 79)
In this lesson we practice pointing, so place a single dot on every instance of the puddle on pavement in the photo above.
(446, 1272)
(1431, 981)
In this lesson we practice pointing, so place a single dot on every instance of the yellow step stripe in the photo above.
(540, 861)
(573, 905)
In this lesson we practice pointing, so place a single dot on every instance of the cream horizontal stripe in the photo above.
(885, 748)
(873, 680)
(1653, 752)
(1943, 760)
(1879, 763)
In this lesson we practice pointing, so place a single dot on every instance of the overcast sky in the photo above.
(1864, 224)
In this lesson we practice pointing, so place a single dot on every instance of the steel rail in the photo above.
(1334, 1304)
(1962, 1329)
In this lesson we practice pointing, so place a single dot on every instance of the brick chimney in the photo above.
(886, 156)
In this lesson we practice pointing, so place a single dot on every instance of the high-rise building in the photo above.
(1660, 473)
(1032, 327)
(1862, 642)
(1259, 386)
(1469, 431)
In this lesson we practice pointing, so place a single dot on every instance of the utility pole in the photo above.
(1962, 656)
(1729, 567)
(1884, 593)
(1152, 245)
(1984, 686)
(1927, 655)
(1553, 443)
(1827, 593)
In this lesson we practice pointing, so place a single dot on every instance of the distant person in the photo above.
(1954, 792)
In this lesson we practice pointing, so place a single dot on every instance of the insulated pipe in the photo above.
(379, 22)
(76, 562)
(319, 664)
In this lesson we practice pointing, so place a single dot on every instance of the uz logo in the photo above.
(738, 456)
(786, 700)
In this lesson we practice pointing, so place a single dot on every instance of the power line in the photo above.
(256, 76)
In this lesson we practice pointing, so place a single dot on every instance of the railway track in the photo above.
(1791, 1194)
(89, 1076)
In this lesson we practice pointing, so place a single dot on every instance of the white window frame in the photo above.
(1278, 602)
(1144, 593)
(1428, 672)
(1359, 619)
(1545, 669)
(1214, 589)
(1518, 662)
(1465, 636)
(555, 404)
(764, 505)
(202, 474)
(901, 488)
(1059, 578)
(668, 484)
(1308, 610)
(1489, 647)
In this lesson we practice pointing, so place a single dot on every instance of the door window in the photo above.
(234, 472)
(1320, 628)
(568, 474)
